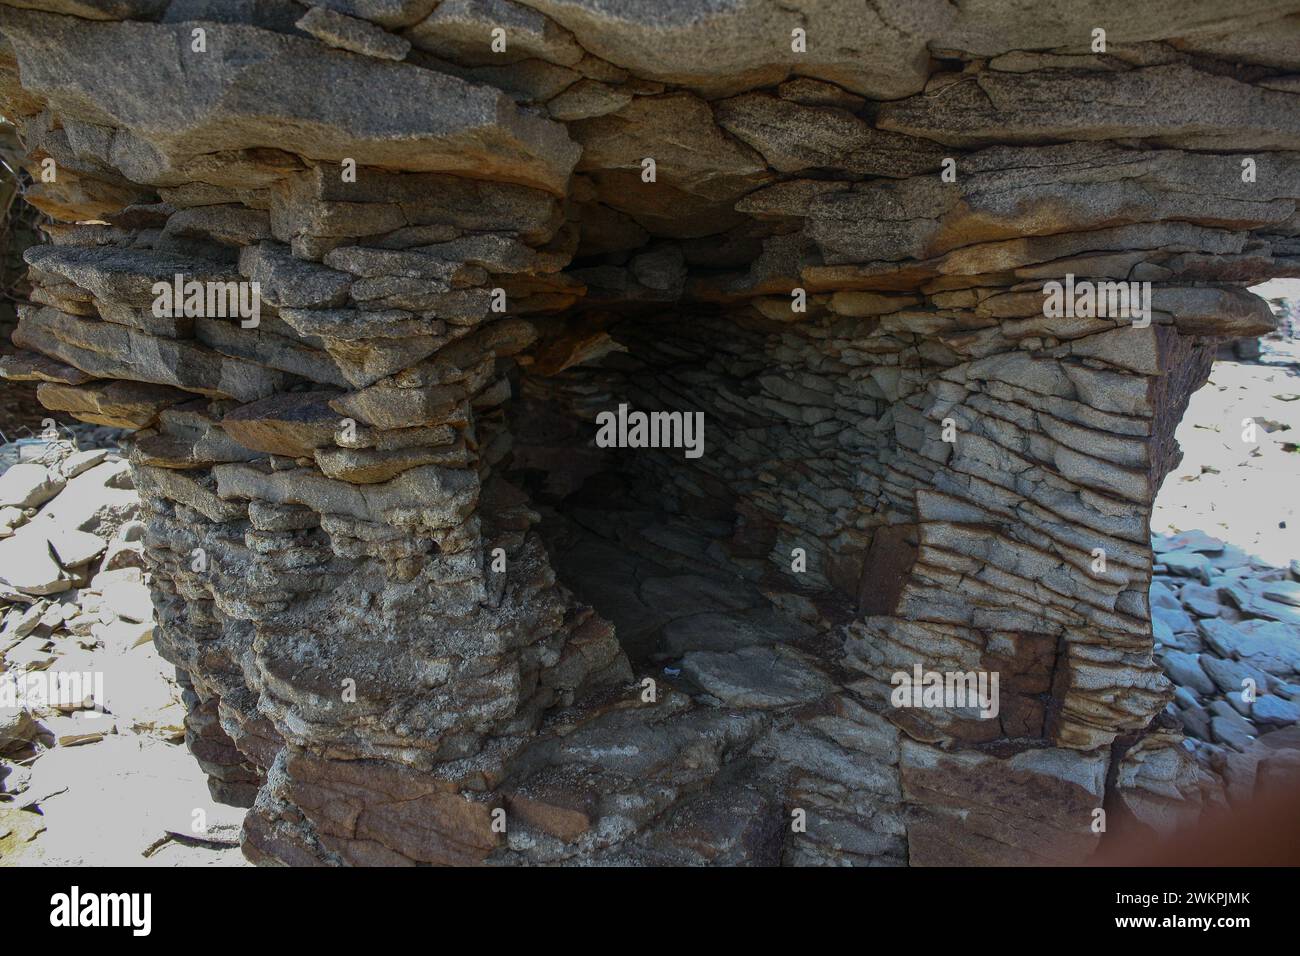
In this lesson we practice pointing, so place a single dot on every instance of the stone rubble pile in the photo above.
(75, 612)
(415, 608)
(1227, 631)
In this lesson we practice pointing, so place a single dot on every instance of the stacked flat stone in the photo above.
(326, 493)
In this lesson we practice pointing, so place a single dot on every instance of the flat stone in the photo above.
(1196, 721)
(1272, 711)
(349, 33)
(1229, 676)
(288, 282)
(793, 137)
(974, 114)
(1190, 564)
(722, 631)
(17, 729)
(130, 601)
(80, 461)
(1162, 632)
(461, 31)
(587, 98)
(74, 548)
(279, 82)
(1231, 732)
(1248, 596)
(27, 564)
(1285, 592)
(1164, 596)
(1185, 669)
(1176, 619)
(1201, 600)
(367, 466)
(29, 485)
(122, 276)
(227, 224)
(763, 677)
(1197, 541)
(107, 350)
(293, 425)
(128, 405)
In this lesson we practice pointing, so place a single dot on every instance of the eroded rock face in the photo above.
(417, 604)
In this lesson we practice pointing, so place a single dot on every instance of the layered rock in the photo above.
(418, 605)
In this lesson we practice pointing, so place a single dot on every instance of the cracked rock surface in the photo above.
(418, 605)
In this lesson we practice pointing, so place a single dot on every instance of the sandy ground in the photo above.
(1241, 487)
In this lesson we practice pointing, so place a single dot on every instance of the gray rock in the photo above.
(1196, 721)
(97, 9)
(981, 112)
(1229, 727)
(129, 600)
(1273, 711)
(1163, 633)
(765, 677)
(1287, 592)
(1190, 564)
(674, 42)
(292, 283)
(1176, 619)
(1272, 646)
(111, 351)
(1201, 600)
(349, 33)
(80, 461)
(1228, 676)
(461, 31)
(792, 137)
(1164, 596)
(1185, 669)
(278, 82)
(386, 13)
(587, 98)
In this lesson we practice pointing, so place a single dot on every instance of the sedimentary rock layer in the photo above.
(427, 619)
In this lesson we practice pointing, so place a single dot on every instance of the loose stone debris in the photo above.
(92, 720)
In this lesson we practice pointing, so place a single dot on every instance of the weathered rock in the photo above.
(293, 425)
(119, 404)
(174, 112)
(349, 33)
(840, 255)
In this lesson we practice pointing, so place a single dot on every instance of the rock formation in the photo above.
(426, 618)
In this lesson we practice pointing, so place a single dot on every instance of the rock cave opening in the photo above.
(690, 549)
